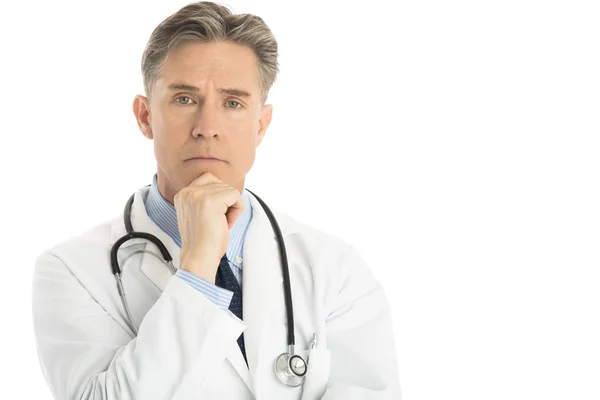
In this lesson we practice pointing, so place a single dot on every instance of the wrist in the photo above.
(201, 267)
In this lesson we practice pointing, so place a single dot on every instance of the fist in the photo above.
(206, 209)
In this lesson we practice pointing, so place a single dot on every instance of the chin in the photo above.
(195, 172)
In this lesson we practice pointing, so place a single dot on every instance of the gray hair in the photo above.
(209, 22)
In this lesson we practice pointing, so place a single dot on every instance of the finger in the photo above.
(221, 196)
(232, 215)
(231, 198)
(201, 190)
(205, 179)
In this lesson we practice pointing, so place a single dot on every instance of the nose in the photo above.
(206, 123)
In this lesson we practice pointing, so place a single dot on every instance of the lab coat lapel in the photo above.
(262, 291)
(156, 271)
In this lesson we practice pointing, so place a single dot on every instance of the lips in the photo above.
(206, 158)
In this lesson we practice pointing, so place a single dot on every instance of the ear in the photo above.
(263, 122)
(141, 110)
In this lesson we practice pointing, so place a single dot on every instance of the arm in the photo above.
(360, 338)
(86, 354)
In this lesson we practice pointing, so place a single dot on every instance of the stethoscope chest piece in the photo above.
(290, 369)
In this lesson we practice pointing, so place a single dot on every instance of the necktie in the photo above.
(226, 280)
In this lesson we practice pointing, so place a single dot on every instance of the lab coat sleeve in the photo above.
(363, 361)
(85, 354)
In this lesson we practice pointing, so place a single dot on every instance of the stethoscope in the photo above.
(290, 368)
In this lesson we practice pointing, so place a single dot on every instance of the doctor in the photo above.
(213, 327)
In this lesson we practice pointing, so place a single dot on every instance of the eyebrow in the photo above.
(229, 91)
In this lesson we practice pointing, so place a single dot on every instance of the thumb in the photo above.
(232, 215)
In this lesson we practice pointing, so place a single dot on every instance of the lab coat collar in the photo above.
(262, 289)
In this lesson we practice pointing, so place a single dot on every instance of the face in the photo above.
(205, 103)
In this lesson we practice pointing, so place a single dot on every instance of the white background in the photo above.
(456, 144)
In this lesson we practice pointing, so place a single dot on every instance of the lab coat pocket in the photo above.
(317, 375)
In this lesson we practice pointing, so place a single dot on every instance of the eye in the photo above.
(230, 102)
(184, 100)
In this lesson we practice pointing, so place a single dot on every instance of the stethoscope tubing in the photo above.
(131, 234)
(284, 269)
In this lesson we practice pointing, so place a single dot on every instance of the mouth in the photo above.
(205, 159)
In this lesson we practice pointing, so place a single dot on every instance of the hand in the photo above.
(206, 210)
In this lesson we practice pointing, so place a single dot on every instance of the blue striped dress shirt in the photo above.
(163, 214)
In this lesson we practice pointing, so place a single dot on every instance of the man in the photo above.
(214, 328)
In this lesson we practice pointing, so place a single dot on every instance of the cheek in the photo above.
(245, 141)
(170, 131)
(174, 124)
(241, 144)
(247, 151)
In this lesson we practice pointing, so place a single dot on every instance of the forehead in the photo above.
(222, 63)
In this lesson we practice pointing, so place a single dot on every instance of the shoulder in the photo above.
(312, 236)
(93, 242)
(318, 247)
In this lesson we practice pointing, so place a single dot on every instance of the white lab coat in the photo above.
(186, 347)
